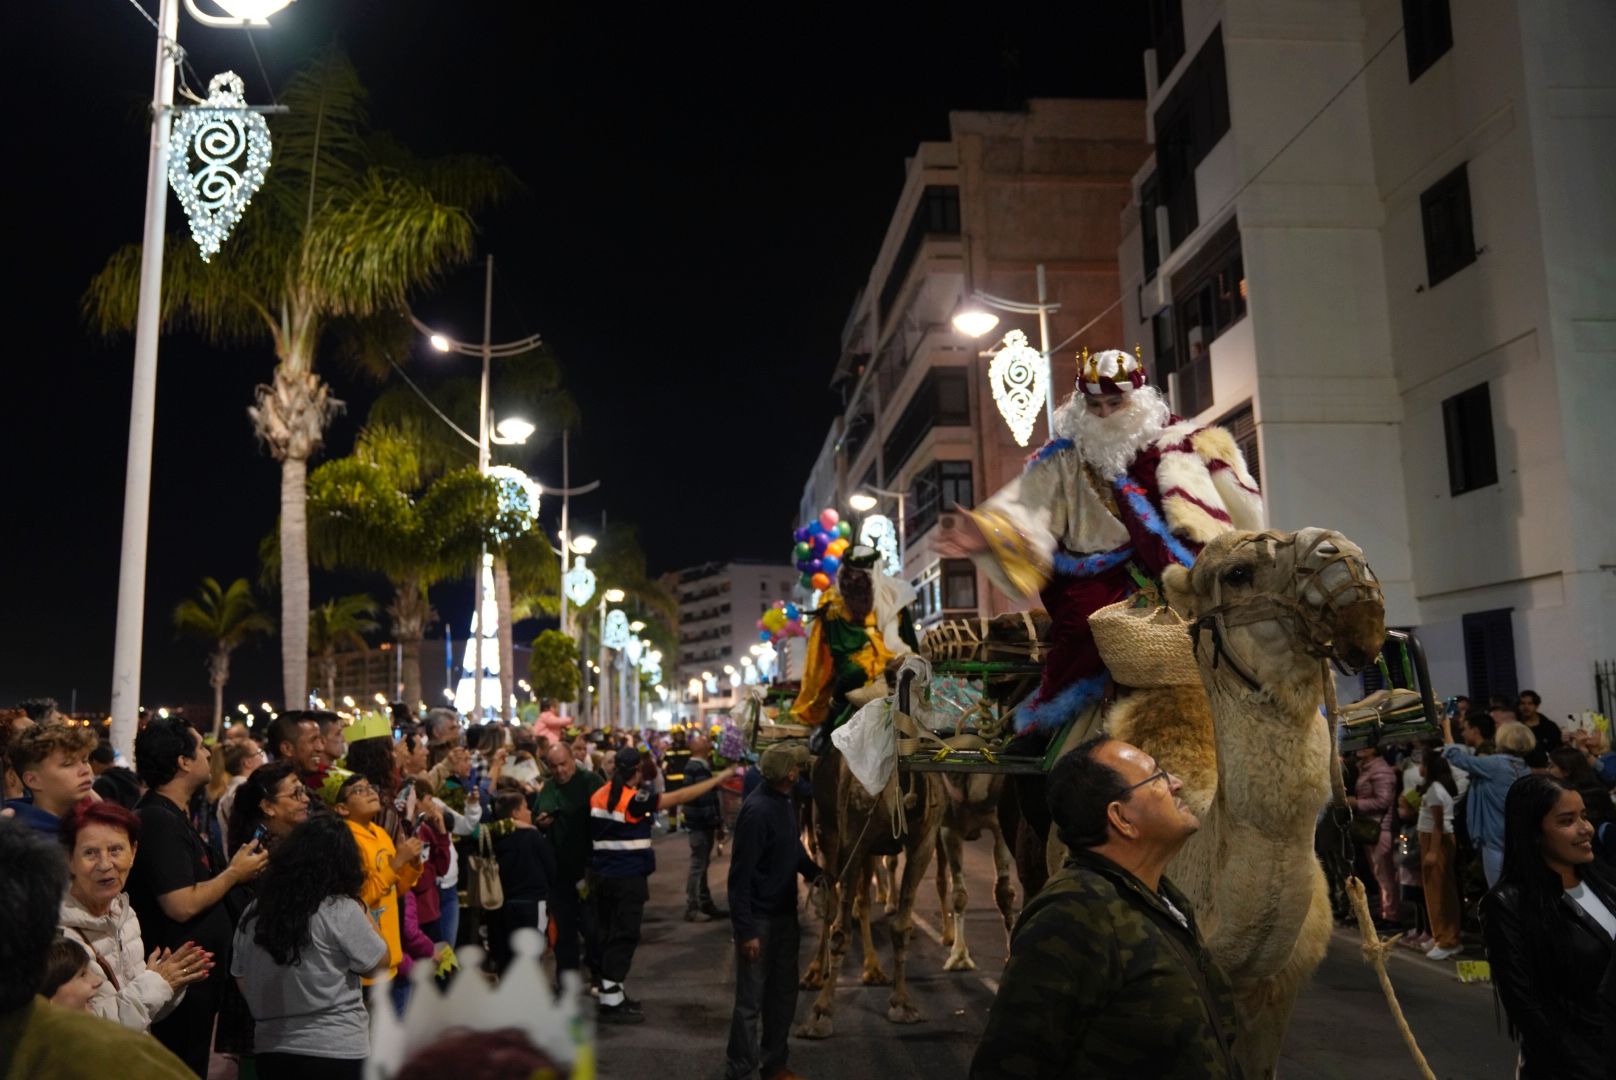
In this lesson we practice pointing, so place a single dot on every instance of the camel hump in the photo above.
(1173, 724)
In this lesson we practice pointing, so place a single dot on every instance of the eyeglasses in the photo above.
(297, 794)
(1159, 774)
(360, 788)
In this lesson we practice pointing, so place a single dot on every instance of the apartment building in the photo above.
(719, 606)
(1375, 239)
(1006, 193)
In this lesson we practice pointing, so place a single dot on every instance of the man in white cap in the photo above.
(1124, 490)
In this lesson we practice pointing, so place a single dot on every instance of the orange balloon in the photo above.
(822, 580)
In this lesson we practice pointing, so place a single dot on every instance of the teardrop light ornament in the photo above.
(231, 145)
(1019, 380)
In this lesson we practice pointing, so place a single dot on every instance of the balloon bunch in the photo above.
(820, 545)
(783, 620)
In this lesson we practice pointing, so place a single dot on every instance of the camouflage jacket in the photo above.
(1104, 981)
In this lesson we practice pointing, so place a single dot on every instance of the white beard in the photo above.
(1111, 443)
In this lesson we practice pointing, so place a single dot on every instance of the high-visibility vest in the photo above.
(622, 842)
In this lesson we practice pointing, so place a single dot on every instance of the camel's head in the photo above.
(1274, 602)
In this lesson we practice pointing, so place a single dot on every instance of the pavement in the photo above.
(684, 975)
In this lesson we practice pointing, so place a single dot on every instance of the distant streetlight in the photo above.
(585, 545)
(975, 322)
(862, 502)
(512, 431)
(440, 343)
(637, 625)
(615, 596)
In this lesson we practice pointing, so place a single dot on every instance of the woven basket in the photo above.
(1015, 637)
(1145, 646)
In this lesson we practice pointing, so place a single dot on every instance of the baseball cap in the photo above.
(628, 758)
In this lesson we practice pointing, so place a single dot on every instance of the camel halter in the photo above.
(1312, 625)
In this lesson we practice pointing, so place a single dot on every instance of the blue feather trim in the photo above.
(1151, 520)
(1048, 450)
(1050, 715)
(1090, 565)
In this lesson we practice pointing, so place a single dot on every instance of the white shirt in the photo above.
(1589, 901)
(1436, 795)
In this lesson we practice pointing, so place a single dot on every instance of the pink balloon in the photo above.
(828, 518)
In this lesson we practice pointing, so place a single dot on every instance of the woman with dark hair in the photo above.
(272, 796)
(1551, 935)
(1374, 799)
(1438, 853)
(238, 760)
(300, 951)
(101, 840)
(375, 760)
(1572, 767)
(526, 868)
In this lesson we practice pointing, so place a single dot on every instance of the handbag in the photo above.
(1365, 830)
(483, 888)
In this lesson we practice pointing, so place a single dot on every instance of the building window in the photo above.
(1450, 243)
(1241, 424)
(1208, 298)
(943, 399)
(959, 585)
(1149, 199)
(1489, 645)
(935, 490)
(937, 215)
(1167, 35)
(1427, 33)
(1467, 424)
(1188, 125)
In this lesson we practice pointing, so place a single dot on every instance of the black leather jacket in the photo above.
(1565, 1013)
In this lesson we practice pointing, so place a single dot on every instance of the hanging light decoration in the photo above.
(232, 144)
(1018, 378)
(878, 532)
(580, 583)
(616, 634)
(518, 501)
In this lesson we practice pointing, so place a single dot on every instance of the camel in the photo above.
(973, 806)
(1264, 612)
(853, 831)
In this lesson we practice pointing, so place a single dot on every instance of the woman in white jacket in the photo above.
(135, 990)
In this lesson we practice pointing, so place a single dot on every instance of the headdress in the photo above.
(1110, 372)
(372, 724)
(861, 557)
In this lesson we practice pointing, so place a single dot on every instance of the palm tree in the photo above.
(225, 618)
(369, 512)
(346, 225)
(336, 624)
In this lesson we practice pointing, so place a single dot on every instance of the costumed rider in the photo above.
(1124, 490)
(861, 625)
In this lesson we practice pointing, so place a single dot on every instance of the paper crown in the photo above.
(861, 557)
(371, 724)
(334, 776)
(555, 1025)
(1110, 372)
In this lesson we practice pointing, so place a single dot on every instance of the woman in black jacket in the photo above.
(526, 868)
(1551, 935)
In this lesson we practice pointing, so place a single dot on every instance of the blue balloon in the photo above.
(792, 614)
(801, 535)
(816, 530)
(764, 635)
(830, 564)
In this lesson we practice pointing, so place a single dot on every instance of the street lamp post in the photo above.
(131, 612)
(973, 321)
(610, 596)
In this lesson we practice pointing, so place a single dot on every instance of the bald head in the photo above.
(562, 763)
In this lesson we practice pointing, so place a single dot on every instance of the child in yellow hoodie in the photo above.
(387, 870)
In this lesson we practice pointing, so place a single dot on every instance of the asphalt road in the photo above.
(684, 974)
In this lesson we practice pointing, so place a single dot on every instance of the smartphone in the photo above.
(260, 834)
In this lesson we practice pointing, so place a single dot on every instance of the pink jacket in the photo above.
(417, 946)
(427, 902)
(1377, 792)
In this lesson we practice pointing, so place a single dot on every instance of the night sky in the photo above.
(705, 192)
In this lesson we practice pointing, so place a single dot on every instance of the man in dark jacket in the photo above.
(703, 819)
(767, 857)
(1107, 973)
(563, 812)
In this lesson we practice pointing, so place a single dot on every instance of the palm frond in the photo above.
(341, 622)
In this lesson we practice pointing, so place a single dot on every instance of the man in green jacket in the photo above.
(1107, 973)
(563, 811)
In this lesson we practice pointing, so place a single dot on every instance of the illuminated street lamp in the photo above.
(1016, 369)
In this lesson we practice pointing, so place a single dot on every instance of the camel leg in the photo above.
(814, 977)
(952, 855)
(915, 865)
(872, 974)
(1265, 1006)
(889, 874)
(1004, 889)
(945, 910)
(819, 1023)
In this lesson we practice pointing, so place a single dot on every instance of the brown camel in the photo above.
(854, 830)
(1264, 612)
(972, 808)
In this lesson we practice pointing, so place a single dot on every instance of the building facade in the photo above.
(1006, 193)
(1375, 239)
(720, 604)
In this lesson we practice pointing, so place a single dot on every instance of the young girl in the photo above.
(71, 980)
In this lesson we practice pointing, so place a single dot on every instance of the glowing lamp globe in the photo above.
(239, 13)
(584, 545)
(615, 596)
(974, 322)
(439, 342)
(515, 430)
(862, 502)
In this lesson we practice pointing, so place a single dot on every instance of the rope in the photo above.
(1374, 954)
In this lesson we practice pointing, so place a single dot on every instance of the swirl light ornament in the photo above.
(518, 501)
(580, 583)
(616, 634)
(232, 144)
(878, 532)
(1018, 378)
